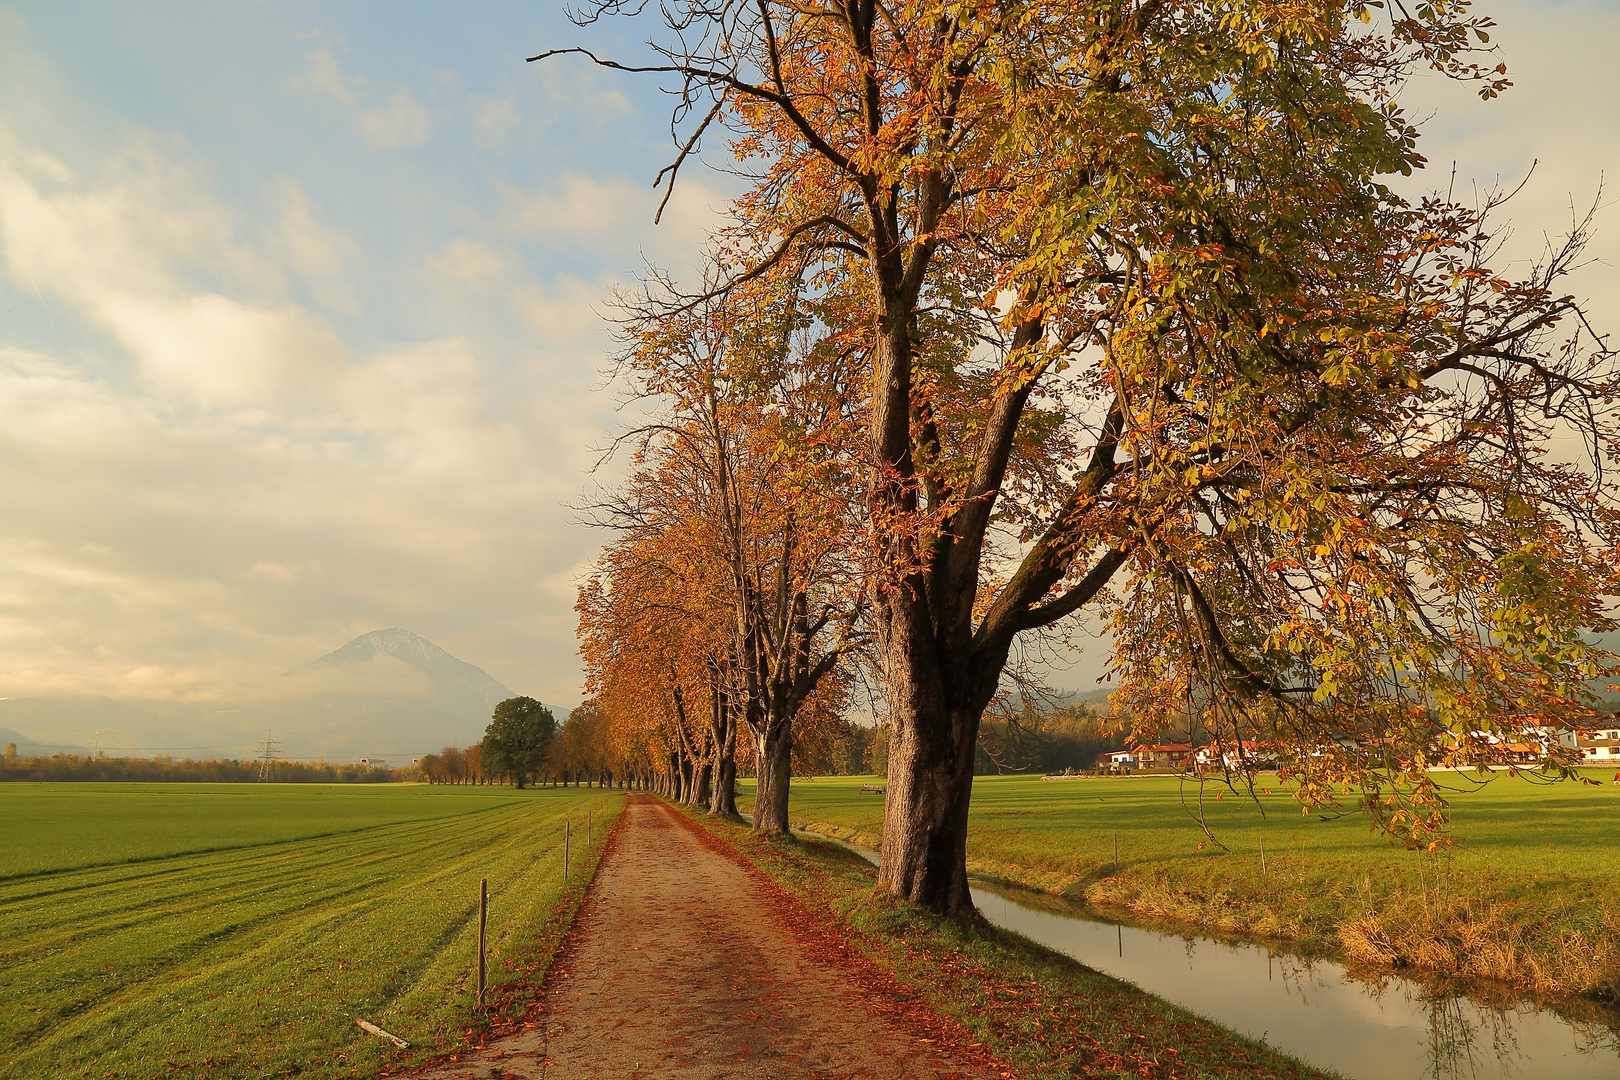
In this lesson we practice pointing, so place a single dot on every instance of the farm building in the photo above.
(1163, 756)
(1597, 744)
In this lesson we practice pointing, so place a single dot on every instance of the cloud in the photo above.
(613, 216)
(118, 248)
(473, 263)
(574, 86)
(494, 117)
(400, 121)
(286, 575)
(220, 485)
(310, 246)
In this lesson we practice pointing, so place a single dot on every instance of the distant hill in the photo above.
(444, 672)
(389, 694)
(29, 748)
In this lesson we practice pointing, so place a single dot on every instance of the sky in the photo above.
(301, 317)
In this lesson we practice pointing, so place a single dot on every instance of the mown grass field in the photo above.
(234, 931)
(1529, 891)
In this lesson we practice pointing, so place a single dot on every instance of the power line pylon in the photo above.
(267, 757)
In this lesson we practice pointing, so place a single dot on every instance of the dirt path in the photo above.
(685, 964)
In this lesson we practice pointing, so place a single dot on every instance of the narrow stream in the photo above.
(1392, 1029)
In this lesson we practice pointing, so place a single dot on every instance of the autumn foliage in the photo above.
(1085, 307)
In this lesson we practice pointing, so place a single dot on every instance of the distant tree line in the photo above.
(1070, 738)
(525, 745)
(165, 769)
(452, 765)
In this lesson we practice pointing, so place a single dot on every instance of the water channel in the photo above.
(1315, 1010)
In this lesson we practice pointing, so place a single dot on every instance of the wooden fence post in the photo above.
(483, 912)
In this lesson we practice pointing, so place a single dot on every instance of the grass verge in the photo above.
(1044, 1015)
(1528, 894)
(255, 961)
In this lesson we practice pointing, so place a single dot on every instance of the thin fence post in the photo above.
(483, 913)
(1262, 855)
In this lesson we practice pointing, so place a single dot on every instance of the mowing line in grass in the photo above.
(74, 826)
(256, 961)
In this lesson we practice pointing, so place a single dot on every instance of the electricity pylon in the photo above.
(267, 757)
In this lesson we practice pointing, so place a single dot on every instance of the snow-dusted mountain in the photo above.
(445, 674)
(389, 694)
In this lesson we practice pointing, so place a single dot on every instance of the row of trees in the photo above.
(57, 768)
(524, 744)
(1062, 309)
(452, 765)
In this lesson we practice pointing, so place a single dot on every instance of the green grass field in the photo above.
(239, 931)
(1538, 863)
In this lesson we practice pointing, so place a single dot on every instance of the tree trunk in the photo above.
(724, 802)
(925, 619)
(723, 730)
(936, 700)
(925, 811)
(773, 746)
(701, 792)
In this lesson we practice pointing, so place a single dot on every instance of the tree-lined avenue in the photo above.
(682, 963)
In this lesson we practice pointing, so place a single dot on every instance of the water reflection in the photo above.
(1390, 1027)
(1383, 1027)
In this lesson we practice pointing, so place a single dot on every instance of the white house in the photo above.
(1599, 745)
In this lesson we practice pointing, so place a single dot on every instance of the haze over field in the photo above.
(301, 332)
(389, 694)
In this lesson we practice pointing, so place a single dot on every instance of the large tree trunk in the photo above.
(773, 747)
(936, 693)
(936, 699)
(925, 812)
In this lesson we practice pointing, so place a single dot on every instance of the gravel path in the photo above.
(682, 963)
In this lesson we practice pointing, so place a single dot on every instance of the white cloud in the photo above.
(495, 117)
(236, 488)
(311, 247)
(400, 121)
(573, 85)
(473, 263)
(615, 216)
(117, 249)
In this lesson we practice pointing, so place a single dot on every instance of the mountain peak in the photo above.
(446, 674)
(397, 642)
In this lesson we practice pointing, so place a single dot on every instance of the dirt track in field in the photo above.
(685, 963)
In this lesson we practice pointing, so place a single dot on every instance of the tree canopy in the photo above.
(1126, 323)
(518, 740)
